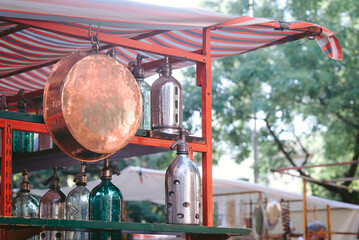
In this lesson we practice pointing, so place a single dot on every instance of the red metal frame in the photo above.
(24, 126)
(6, 169)
(6, 172)
(109, 38)
(155, 142)
(8, 126)
(203, 79)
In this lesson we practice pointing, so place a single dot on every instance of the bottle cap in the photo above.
(54, 180)
(107, 171)
(24, 185)
(22, 103)
(137, 70)
(165, 69)
(81, 179)
(182, 146)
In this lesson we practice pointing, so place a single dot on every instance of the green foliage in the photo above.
(145, 212)
(285, 82)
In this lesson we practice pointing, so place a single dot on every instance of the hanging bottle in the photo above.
(52, 205)
(166, 101)
(22, 141)
(139, 74)
(183, 187)
(106, 203)
(24, 204)
(77, 203)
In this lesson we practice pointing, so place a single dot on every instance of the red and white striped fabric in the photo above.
(27, 54)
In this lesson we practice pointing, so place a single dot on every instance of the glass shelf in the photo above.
(89, 226)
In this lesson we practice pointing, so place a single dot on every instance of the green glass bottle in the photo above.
(106, 203)
(145, 89)
(22, 141)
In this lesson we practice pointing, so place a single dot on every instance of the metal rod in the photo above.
(314, 166)
(309, 179)
(235, 193)
(250, 214)
(125, 214)
(328, 223)
(337, 233)
(19, 27)
(305, 220)
(172, 60)
(45, 64)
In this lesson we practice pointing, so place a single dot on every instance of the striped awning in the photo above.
(35, 34)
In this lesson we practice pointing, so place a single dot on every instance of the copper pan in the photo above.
(92, 105)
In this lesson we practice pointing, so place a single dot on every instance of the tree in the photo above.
(289, 81)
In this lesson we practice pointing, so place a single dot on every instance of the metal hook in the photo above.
(311, 36)
(90, 30)
(94, 39)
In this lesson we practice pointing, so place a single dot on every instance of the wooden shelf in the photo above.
(89, 226)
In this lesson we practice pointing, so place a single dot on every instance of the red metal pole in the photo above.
(6, 169)
(204, 80)
(6, 172)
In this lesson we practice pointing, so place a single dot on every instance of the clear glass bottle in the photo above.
(52, 205)
(139, 74)
(22, 141)
(106, 203)
(77, 203)
(24, 204)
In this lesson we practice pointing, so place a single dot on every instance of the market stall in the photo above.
(35, 35)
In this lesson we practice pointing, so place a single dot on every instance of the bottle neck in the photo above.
(106, 183)
(21, 110)
(106, 179)
(55, 187)
(25, 192)
(81, 184)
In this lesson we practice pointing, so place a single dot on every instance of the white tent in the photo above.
(139, 184)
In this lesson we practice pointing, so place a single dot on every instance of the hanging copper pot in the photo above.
(92, 105)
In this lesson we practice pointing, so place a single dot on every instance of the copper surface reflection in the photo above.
(92, 105)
